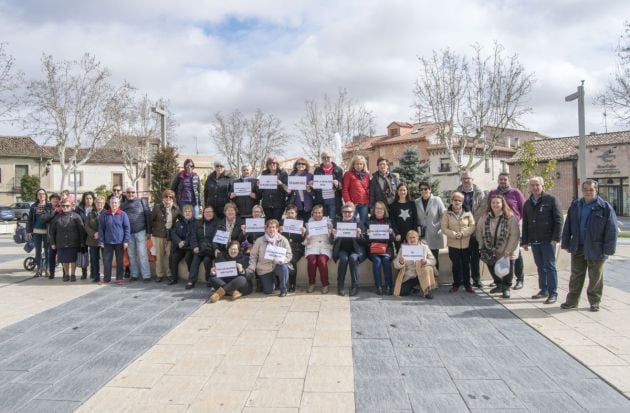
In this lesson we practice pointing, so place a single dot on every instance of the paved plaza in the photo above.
(154, 348)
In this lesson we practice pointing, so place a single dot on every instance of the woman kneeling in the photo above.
(267, 262)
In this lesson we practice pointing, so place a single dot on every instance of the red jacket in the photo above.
(356, 190)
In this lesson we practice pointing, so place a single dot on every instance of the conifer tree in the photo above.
(163, 170)
(412, 171)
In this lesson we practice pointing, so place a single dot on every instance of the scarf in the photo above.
(494, 242)
(503, 190)
(273, 241)
(359, 174)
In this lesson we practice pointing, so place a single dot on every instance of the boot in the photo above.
(217, 295)
(236, 294)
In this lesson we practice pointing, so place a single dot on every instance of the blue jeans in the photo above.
(361, 211)
(138, 256)
(384, 261)
(346, 258)
(282, 271)
(41, 242)
(545, 259)
(330, 209)
(460, 259)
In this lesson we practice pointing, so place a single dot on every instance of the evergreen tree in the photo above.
(163, 170)
(412, 171)
(29, 184)
(532, 166)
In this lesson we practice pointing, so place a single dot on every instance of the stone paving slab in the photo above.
(55, 360)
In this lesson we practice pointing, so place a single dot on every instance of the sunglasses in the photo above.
(325, 157)
(66, 206)
(116, 190)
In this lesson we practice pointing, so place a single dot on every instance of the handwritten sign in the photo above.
(268, 182)
(242, 188)
(254, 225)
(292, 226)
(346, 229)
(221, 237)
(412, 252)
(318, 227)
(322, 182)
(273, 253)
(297, 183)
(378, 231)
(226, 269)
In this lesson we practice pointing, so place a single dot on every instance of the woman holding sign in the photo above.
(270, 256)
(415, 263)
(498, 235)
(348, 248)
(229, 229)
(180, 237)
(301, 186)
(318, 248)
(228, 275)
(273, 188)
(295, 235)
(327, 180)
(356, 187)
(458, 225)
(381, 247)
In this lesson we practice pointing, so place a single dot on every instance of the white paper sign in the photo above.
(378, 231)
(297, 183)
(221, 237)
(254, 225)
(273, 252)
(346, 229)
(328, 193)
(268, 182)
(242, 188)
(322, 182)
(412, 252)
(226, 269)
(292, 226)
(318, 227)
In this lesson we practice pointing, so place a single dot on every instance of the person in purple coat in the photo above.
(113, 236)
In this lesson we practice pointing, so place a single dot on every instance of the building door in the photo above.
(117, 180)
(615, 191)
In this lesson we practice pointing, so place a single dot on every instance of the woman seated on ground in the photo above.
(413, 274)
(201, 243)
(498, 235)
(68, 239)
(236, 285)
(181, 235)
(265, 266)
(318, 251)
(297, 246)
(381, 251)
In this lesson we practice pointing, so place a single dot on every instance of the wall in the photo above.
(9, 194)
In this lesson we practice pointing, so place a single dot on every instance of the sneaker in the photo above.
(551, 300)
(519, 285)
(540, 294)
(292, 288)
(594, 308)
(120, 281)
(567, 306)
(354, 290)
(103, 282)
(506, 293)
(325, 289)
(453, 289)
(189, 286)
(341, 292)
(379, 291)
(283, 294)
(311, 288)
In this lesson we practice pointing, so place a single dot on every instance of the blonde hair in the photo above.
(359, 158)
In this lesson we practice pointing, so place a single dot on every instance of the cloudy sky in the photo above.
(217, 56)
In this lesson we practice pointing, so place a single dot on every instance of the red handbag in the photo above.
(378, 248)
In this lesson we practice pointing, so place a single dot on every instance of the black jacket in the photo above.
(245, 203)
(182, 231)
(67, 231)
(542, 220)
(377, 193)
(274, 198)
(237, 233)
(358, 244)
(338, 175)
(217, 191)
(203, 235)
(297, 246)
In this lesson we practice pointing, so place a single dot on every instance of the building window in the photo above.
(20, 171)
(445, 165)
(78, 175)
(394, 132)
(117, 180)
(503, 166)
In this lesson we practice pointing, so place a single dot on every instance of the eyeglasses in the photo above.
(66, 206)
(167, 197)
(116, 190)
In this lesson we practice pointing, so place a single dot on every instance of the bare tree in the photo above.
(74, 107)
(472, 103)
(617, 93)
(241, 140)
(324, 120)
(10, 80)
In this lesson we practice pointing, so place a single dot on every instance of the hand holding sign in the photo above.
(412, 252)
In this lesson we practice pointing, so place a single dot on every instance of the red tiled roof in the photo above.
(23, 146)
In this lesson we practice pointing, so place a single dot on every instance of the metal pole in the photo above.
(579, 95)
(75, 180)
(163, 134)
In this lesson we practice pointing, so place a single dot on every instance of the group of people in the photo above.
(252, 232)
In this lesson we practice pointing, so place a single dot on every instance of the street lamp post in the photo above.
(73, 160)
(579, 95)
(162, 113)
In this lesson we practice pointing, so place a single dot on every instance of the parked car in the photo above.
(20, 210)
(6, 214)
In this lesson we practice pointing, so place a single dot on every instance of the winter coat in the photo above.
(236, 235)
(356, 190)
(203, 235)
(412, 268)
(35, 217)
(139, 215)
(113, 228)
(274, 198)
(297, 244)
(431, 220)
(464, 224)
(245, 204)
(337, 174)
(307, 203)
(178, 187)
(91, 227)
(542, 220)
(515, 200)
(123, 199)
(403, 218)
(377, 193)
(600, 239)
(217, 191)
(479, 204)
(257, 260)
(510, 244)
(67, 231)
(182, 231)
(240, 259)
(358, 244)
(83, 212)
(158, 220)
(318, 244)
